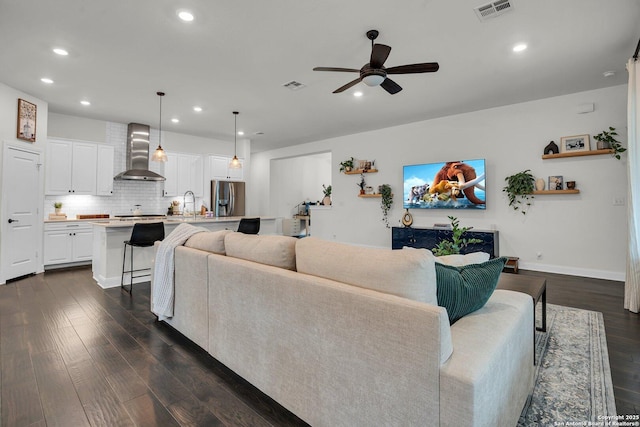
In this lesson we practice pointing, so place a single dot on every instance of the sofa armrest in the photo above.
(489, 376)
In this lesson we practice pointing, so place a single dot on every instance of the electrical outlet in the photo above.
(618, 201)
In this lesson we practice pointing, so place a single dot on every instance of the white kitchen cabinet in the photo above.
(68, 242)
(183, 172)
(71, 167)
(104, 170)
(219, 169)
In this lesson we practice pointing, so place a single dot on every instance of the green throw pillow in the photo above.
(463, 290)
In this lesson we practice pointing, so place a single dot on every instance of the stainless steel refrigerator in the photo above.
(227, 198)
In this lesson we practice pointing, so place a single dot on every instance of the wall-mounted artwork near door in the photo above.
(26, 120)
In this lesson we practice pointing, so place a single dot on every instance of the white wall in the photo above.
(295, 180)
(576, 234)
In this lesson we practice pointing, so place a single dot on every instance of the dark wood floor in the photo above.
(72, 354)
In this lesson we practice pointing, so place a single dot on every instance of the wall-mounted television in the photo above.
(458, 184)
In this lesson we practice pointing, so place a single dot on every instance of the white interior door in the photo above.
(21, 226)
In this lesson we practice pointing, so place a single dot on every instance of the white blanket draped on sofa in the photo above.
(162, 284)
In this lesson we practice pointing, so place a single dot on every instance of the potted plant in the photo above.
(327, 195)
(347, 165)
(457, 242)
(606, 139)
(362, 184)
(519, 190)
(385, 202)
(57, 206)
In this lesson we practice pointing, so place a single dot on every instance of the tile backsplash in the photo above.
(126, 194)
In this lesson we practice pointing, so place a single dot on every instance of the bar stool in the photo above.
(143, 235)
(249, 225)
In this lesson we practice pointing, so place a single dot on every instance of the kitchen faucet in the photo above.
(184, 203)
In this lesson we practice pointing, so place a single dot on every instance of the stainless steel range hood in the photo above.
(138, 155)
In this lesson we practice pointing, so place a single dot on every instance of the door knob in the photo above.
(13, 220)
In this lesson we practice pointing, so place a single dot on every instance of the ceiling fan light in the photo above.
(373, 79)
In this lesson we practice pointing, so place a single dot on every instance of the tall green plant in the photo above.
(457, 242)
(519, 190)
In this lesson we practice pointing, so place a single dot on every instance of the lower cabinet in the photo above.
(67, 243)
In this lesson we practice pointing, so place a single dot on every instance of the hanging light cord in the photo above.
(160, 94)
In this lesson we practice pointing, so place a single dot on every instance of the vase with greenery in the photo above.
(57, 206)
(606, 139)
(519, 190)
(327, 195)
(347, 165)
(385, 202)
(457, 242)
(362, 184)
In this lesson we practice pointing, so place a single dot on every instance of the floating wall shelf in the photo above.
(575, 191)
(369, 195)
(577, 154)
(359, 171)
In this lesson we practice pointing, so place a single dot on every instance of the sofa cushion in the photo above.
(278, 251)
(460, 260)
(463, 290)
(408, 273)
(210, 241)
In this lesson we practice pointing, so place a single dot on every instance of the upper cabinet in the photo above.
(104, 170)
(183, 172)
(219, 167)
(71, 167)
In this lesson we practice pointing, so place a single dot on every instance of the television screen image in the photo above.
(445, 185)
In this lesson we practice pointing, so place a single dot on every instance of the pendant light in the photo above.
(159, 155)
(235, 163)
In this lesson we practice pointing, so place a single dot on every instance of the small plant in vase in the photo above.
(57, 206)
(327, 195)
(606, 139)
(385, 202)
(347, 165)
(362, 184)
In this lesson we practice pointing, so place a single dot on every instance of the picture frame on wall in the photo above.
(572, 144)
(556, 182)
(27, 115)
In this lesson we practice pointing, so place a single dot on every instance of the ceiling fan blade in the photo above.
(379, 54)
(426, 67)
(391, 86)
(348, 85)
(348, 70)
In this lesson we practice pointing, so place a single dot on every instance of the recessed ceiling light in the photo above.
(197, 109)
(240, 133)
(185, 15)
(175, 120)
(60, 51)
(519, 47)
(609, 73)
(357, 94)
(46, 80)
(85, 103)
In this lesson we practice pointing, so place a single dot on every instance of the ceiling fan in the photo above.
(374, 73)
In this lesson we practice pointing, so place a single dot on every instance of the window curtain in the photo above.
(632, 284)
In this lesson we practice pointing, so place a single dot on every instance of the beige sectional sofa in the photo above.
(350, 336)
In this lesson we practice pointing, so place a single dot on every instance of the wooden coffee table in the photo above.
(534, 286)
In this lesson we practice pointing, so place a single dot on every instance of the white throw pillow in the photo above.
(460, 260)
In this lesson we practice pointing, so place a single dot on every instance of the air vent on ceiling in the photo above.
(493, 9)
(294, 85)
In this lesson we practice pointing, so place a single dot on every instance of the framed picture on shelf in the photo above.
(26, 121)
(572, 144)
(555, 182)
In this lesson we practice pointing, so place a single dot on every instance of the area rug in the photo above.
(572, 379)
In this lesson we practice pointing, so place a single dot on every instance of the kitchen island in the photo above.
(109, 238)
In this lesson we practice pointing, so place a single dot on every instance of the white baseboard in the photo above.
(573, 271)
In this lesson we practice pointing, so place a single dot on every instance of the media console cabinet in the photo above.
(428, 238)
